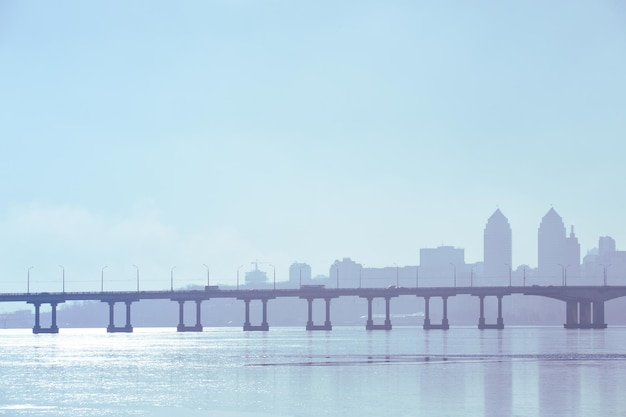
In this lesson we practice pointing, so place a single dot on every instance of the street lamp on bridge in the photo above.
(172, 278)
(360, 275)
(63, 276)
(605, 271)
(238, 268)
(417, 276)
(137, 268)
(397, 275)
(28, 280)
(564, 274)
(208, 276)
(102, 278)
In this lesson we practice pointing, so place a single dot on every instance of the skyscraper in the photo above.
(558, 255)
(497, 243)
(550, 245)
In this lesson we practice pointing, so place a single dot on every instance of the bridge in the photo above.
(584, 305)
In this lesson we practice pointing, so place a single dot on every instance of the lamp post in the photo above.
(63, 276)
(28, 280)
(208, 276)
(137, 268)
(454, 266)
(300, 274)
(172, 278)
(564, 274)
(524, 275)
(417, 276)
(605, 272)
(238, 268)
(397, 275)
(337, 276)
(472, 276)
(360, 275)
(102, 278)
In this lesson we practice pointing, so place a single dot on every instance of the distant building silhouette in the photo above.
(256, 277)
(498, 253)
(345, 272)
(443, 262)
(299, 273)
(401, 276)
(605, 261)
(558, 255)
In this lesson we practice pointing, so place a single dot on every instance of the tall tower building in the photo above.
(551, 246)
(498, 254)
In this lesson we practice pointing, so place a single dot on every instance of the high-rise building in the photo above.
(299, 273)
(345, 273)
(572, 255)
(498, 254)
(606, 247)
(551, 245)
(443, 262)
(558, 255)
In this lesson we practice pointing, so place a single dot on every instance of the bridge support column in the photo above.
(327, 324)
(584, 314)
(247, 326)
(309, 323)
(426, 325)
(198, 316)
(571, 315)
(37, 327)
(598, 315)
(264, 323)
(312, 326)
(370, 321)
(481, 318)
(181, 317)
(128, 327)
(444, 322)
(387, 313)
(500, 322)
(53, 322)
(111, 328)
(246, 323)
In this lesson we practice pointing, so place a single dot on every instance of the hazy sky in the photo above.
(163, 133)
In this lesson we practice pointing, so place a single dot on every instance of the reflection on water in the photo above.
(348, 371)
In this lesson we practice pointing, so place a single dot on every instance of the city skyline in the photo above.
(204, 134)
(559, 254)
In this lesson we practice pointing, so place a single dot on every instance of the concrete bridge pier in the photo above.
(310, 325)
(247, 326)
(444, 322)
(53, 325)
(112, 328)
(370, 322)
(598, 315)
(482, 325)
(578, 314)
(181, 317)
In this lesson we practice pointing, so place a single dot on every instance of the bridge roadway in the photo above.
(584, 304)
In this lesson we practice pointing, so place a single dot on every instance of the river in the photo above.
(518, 371)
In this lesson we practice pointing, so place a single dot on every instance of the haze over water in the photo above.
(521, 371)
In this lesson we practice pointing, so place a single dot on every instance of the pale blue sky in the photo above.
(220, 132)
